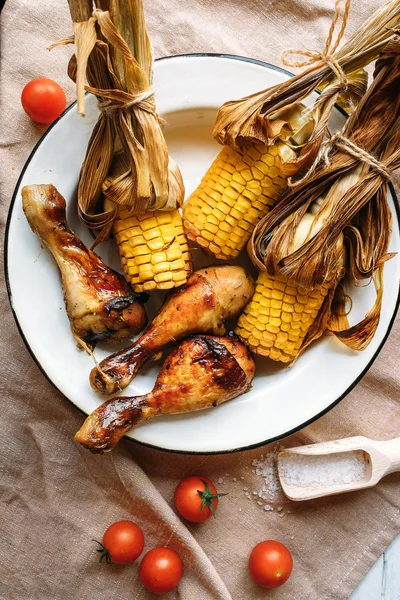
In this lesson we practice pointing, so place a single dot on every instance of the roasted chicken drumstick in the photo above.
(203, 371)
(100, 304)
(201, 305)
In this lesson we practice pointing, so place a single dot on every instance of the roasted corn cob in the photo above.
(283, 317)
(235, 193)
(153, 249)
(278, 318)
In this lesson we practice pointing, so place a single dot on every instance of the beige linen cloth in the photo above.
(56, 497)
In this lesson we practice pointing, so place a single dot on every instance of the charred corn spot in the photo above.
(153, 249)
(236, 192)
(278, 317)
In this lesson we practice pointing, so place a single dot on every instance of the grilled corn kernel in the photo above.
(153, 249)
(236, 192)
(282, 314)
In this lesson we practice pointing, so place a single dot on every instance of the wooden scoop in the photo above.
(336, 467)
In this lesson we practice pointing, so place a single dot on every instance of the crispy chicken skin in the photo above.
(100, 304)
(203, 371)
(202, 305)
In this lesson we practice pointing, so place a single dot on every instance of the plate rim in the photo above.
(146, 444)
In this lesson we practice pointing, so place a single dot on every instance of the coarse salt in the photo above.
(266, 467)
(328, 469)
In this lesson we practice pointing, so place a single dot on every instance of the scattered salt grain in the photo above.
(328, 469)
(234, 479)
(259, 503)
(245, 489)
(242, 477)
(221, 480)
(266, 467)
(279, 508)
(268, 507)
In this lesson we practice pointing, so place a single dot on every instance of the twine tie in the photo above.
(327, 54)
(113, 100)
(345, 144)
(340, 141)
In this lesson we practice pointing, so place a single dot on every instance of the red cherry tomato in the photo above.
(160, 570)
(123, 542)
(43, 100)
(196, 499)
(270, 564)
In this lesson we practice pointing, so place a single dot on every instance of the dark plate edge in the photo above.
(172, 450)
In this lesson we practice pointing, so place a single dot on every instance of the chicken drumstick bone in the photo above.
(203, 371)
(209, 297)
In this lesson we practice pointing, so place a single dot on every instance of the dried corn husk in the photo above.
(351, 195)
(257, 118)
(113, 53)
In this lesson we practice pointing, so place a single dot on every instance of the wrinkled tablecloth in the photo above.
(57, 497)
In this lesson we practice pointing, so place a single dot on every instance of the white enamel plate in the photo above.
(189, 91)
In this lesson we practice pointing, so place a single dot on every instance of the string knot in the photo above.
(343, 143)
(114, 100)
(340, 141)
(327, 54)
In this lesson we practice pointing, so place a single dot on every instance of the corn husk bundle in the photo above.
(338, 221)
(271, 136)
(128, 183)
(113, 53)
(260, 118)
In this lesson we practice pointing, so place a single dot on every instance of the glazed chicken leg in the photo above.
(100, 304)
(209, 297)
(203, 371)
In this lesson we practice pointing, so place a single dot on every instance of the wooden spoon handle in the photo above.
(391, 449)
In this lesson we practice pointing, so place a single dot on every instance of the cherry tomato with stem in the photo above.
(122, 543)
(196, 499)
(43, 100)
(161, 570)
(270, 564)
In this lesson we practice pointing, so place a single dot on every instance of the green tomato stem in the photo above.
(207, 497)
(104, 554)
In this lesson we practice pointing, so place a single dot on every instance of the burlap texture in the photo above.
(57, 497)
